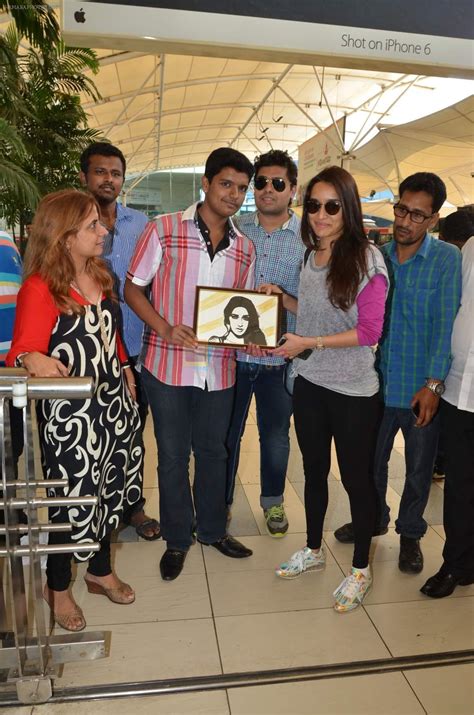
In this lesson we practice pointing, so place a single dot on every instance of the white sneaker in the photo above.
(351, 592)
(300, 562)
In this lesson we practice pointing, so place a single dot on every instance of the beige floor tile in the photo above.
(284, 640)
(152, 506)
(385, 548)
(211, 703)
(295, 463)
(293, 507)
(141, 559)
(250, 441)
(248, 592)
(249, 468)
(150, 480)
(439, 528)
(444, 691)
(150, 651)
(385, 694)
(156, 600)
(391, 585)
(399, 441)
(20, 710)
(428, 626)
(267, 554)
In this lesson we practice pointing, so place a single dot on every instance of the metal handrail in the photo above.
(30, 660)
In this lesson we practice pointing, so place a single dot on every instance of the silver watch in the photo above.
(19, 360)
(437, 387)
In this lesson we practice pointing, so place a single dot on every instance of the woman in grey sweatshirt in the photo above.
(341, 305)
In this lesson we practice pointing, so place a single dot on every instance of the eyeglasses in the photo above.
(261, 181)
(415, 216)
(332, 207)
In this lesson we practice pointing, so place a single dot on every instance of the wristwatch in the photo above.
(437, 387)
(19, 360)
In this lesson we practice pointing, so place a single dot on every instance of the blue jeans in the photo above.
(188, 418)
(274, 407)
(420, 452)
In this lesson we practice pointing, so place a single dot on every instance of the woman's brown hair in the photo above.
(58, 217)
(348, 261)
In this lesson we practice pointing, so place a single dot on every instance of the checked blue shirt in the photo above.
(119, 248)
(279, 259)
(424, 297)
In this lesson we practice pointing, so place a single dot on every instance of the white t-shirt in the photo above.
(460, 380)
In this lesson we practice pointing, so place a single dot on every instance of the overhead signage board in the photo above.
(315, 154)
(435, 38)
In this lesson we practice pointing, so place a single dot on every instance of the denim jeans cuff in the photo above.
(267, 502)
(175, 546)
(410, 534)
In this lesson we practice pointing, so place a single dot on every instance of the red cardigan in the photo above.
(35, 317)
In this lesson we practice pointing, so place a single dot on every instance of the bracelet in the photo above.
(124, 365)
(319, 343)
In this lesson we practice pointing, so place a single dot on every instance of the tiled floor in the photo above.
(225, 616)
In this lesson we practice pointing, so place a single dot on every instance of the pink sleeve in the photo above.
(371, 306)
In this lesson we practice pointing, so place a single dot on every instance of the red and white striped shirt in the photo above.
(172, 255)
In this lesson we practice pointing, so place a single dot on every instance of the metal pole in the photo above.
(30, 659)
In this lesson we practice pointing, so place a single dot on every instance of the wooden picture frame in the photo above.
(225, 316)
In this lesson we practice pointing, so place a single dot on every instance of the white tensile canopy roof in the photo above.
(442, 142)
(170, 111)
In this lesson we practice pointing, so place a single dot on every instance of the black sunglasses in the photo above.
(278, 184)
(332, 207)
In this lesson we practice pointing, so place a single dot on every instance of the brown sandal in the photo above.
(123, 595)
(73, 621)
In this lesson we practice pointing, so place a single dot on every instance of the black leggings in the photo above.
(58, 566)
(321, 414)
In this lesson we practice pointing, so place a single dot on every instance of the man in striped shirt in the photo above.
(190, 387)
(103, 173)
(414, 356)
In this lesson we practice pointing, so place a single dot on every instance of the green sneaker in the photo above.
(276, 521)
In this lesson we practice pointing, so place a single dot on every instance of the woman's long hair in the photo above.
(238, 301)
(348, 261)
(58, 217)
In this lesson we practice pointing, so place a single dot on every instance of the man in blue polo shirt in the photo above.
(275, 232)
(103, 173)
(414, 356)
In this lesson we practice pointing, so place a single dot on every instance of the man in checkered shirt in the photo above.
(275, 232)
(414, 357)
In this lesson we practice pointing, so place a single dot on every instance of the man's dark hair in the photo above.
(101, 149)
(458, 226)
(226, 157)
(276, 157)
(429, 183)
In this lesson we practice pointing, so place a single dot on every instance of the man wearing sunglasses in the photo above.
(414, 357)
(275, 232)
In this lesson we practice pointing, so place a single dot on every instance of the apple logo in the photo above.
(80, 15)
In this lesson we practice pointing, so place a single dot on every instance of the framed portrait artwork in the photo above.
(225, 316)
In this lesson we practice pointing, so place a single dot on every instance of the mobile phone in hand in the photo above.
(301, 356)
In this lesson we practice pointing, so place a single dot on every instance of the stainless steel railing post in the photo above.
(30, 660)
